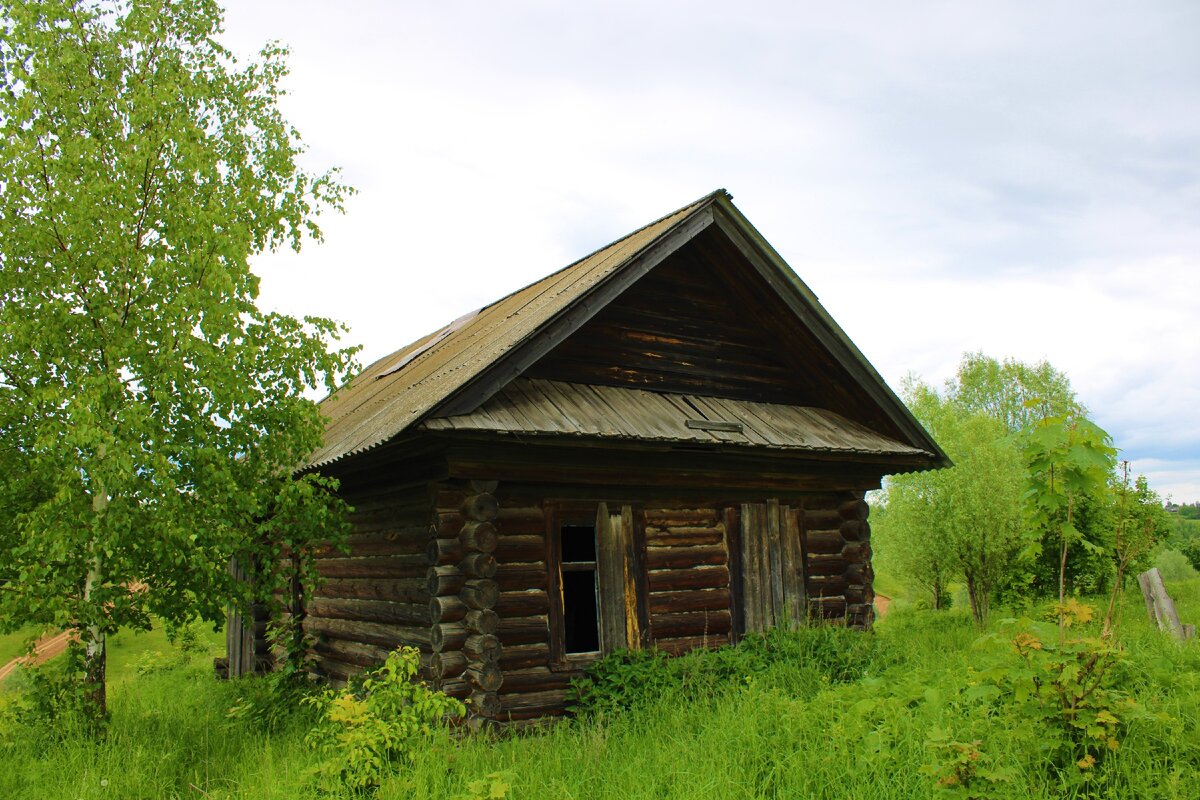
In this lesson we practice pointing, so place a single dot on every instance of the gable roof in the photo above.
(456, 369)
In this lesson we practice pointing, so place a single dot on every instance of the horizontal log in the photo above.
(375, 545)
(483, 704)
(827, 563)
(482, 647)
(444, 580)
(855, 530)
(481, 507)
(483, 620)
(833, 607)
(478, 536)
(335, 669)
(479, 593)
(515, 577)
(821, 585)
(670, 626)
(526, 656)
(860, 615)
(478, 565)
(862, 595)
(358, 653)
(822, 519)
(378, 633)
(825, 542)
(448, 608)
(667, 580)
(515, 513)
(523, 604)
(456, 687)
(511, 548)
(447, 665)
(523, 630)
(684, 644)
(370, 610)
(854, 509)
(857, 552)
(860, 573)
(536, 679)
(410, 566)
(447, 524)
(442, 552)
(684, 537)
(404, 590)
(485, 677)
(450, 497)
(447, 636)
(689, 600)
(684, 557)
(526, 704)
(664, 517)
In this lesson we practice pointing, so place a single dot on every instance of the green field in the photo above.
(786, 729)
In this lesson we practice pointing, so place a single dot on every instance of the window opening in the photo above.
(581, 625)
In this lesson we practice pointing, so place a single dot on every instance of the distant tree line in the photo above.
(1036, 503)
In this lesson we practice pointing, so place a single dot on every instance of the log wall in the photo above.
(838, 559)
(688, 578)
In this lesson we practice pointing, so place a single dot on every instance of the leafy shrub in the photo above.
(798, 662)
(1175, 566)
(369, 726)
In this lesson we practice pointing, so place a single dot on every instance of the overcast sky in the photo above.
(1021, 178)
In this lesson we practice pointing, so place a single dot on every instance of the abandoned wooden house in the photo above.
(664, 444)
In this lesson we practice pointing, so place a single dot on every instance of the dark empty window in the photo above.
(581, 629)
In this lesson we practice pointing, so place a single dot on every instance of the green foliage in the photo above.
(150, 412)
(1015, 394)
(1174, 565)
(368, 727)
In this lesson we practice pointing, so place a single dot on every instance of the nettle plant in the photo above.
(374, 724)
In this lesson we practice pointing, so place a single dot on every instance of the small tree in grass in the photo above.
(150, 413)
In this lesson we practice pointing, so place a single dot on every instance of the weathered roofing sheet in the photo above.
(540, 407)
(396, 391)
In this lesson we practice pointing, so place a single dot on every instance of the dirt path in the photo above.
(46, 648)
(882, 603)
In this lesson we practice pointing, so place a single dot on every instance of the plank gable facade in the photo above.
(665, 444)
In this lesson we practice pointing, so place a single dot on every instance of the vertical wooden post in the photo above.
(1160, 603)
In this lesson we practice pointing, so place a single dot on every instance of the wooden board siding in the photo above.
(773, 566)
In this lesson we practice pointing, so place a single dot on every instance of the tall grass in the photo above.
(784, 730)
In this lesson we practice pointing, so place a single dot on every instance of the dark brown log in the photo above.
(669, 580)
(480, 593)
(478, 565)
(529, 704)
(857, 552)
(441, 552)
(443, 666)
(484, 486)
(822, 519)
(854, 509)
(481, 507)
(523, 630)
(523, 604)
(447, 524)
(671, 626)
(694, 600)
(825, 585)
(828, 607)
(370, 610)
(855, 530)
(860, 615)
(448, 608)
(856, 594)
(536, 679)
(483, 620)
(524, 656)
(444, 580)
(378, 633)
(517, 577)
(827, 564)
(482, 647)
(479, 536)
(699, 517)
(684, 557)
(376, 545)
(485, 676)
(510, 514)
(484, 704)
(335, 669)
(861, 574)
(447, 636)
(410, 566)
(685, 536)
(363, 655)
(404, 590)
(685, 644)
(510, 548)
(825, 542)
(456, 687)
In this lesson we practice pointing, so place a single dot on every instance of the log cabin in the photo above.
(664, 444)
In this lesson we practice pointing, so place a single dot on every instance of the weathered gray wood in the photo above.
(481, 507)
(793, 577)
(478, 565)
(370, 610)
(1164, 607)
(480, 536)
(610, 564)
(479, 593)
(447, 636)
(775, 566)
(482, 620)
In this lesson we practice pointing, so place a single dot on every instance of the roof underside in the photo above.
(554, 408)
